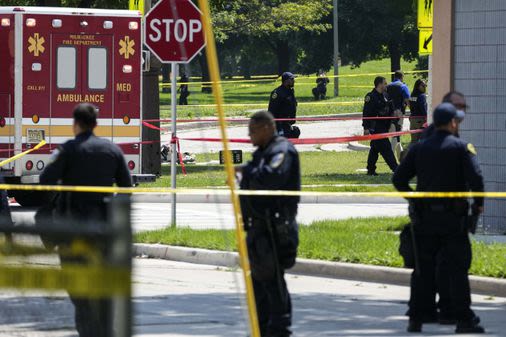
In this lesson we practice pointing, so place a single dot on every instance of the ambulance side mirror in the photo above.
(146, 60)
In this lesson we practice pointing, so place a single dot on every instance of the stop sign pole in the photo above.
(173, 31)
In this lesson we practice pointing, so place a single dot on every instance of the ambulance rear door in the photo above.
(82, 72)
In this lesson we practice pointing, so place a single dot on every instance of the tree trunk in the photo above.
(245, 65)
(166, 78)
(395, 57)
(283, 56)
(207, 88)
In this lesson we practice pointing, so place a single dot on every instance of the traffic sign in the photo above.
(174, 31)
(425, 42)
(425, 13)
(136, 5)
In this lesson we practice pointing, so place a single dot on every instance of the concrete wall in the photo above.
(479, 71)
(442, 56)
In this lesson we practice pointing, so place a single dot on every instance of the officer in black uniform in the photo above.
(282, 104)
(92, 161)
(442, 163)
(446, 314)
(377, 105)
(270, 222)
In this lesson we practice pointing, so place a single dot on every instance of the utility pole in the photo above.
(151, 160)
(336, 51)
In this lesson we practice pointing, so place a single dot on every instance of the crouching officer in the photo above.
(377, 105)
(283, 104)
(270, 222)
(91, 161)
(442, 163)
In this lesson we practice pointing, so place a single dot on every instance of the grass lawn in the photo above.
(370, 241)
(318, 168)
(249, 96)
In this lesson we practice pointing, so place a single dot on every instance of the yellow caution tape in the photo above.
(276, 77)
(265, 104)
(197, 191)
(78, 280)
(19, 155)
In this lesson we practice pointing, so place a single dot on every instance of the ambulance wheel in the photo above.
(31, 198)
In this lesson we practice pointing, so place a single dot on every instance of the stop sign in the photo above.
(173, 31)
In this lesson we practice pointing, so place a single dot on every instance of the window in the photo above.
(97, 68)
(66, 67)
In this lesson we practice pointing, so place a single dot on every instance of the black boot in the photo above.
(414, 326)
(372, 173)
(471, 326)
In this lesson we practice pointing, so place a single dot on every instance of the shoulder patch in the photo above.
(54, 154)
(471, 149)
(274, 95)
(367, 98)
(277, 160)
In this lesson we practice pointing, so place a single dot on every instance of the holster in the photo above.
(261, 246)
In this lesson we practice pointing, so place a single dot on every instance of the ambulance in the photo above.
(54, 58)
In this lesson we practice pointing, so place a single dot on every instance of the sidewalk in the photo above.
(175, 299)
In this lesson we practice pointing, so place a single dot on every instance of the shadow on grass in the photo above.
(194, 169)
(349, 178)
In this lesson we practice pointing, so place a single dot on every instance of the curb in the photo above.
(356, 146)
(359, 272)
(225, 199)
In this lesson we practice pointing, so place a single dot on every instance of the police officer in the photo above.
(442, 163)
(270, 222)
(398, 92)
(377, 105)
(446, 313)
(93, 161)
(282, 104)
(458, 100)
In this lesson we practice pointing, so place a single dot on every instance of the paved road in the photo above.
(179, 300)
(308, 130)
(147, 216)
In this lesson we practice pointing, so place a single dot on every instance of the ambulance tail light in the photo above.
(29, 165)
(107, 24)
(31, 22)
(2, 122)
(57, 23)
(6, 22)
(127, 69)
(133, 25)
(131, 165)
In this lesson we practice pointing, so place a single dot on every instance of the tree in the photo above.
(373, 29)
(276, 21)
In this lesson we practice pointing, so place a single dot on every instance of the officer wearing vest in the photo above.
(399, 94)
(270, 222)
(283, 104)
(442, 163)
(377, 105)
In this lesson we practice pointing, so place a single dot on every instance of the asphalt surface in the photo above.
(308, 130)
(178, 300)
(148, 216)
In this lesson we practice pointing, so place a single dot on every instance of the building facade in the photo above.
(470, 57)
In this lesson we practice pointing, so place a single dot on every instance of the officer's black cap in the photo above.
(287, 76)
(445, 112)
